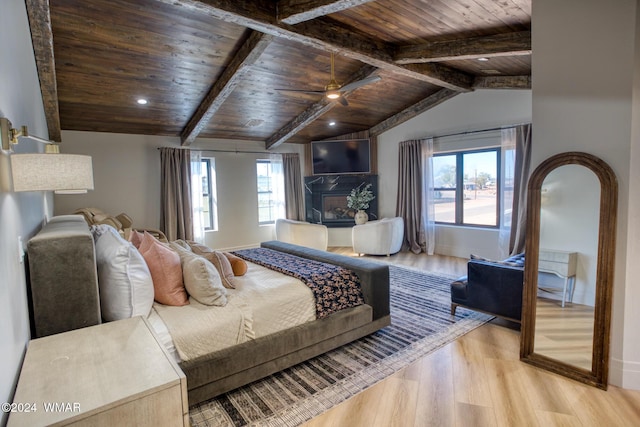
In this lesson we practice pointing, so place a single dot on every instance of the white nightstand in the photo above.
(562, 264)
(111, 374)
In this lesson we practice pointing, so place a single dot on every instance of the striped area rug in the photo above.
(420, 323)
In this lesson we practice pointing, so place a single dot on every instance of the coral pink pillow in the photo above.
(166, 271)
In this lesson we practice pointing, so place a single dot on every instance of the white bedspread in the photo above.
(263, 302)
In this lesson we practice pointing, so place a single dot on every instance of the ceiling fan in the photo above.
(333, 89)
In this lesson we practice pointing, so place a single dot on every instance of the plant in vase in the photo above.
(359, 199)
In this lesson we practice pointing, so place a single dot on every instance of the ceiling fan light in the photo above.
(333, 94)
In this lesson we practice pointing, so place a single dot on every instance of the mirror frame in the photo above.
(598, 376)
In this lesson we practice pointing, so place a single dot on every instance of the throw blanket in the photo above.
(334, 288)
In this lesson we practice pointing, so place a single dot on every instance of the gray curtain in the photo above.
(410, 193)
(293, 194)
(521, 178)
(176, 217)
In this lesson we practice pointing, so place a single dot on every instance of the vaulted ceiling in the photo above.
(235, 69)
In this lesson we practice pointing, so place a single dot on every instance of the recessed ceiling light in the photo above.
(483, 59)
(142, 101)
(332, 123)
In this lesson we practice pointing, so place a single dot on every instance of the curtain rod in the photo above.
(470, 132)
(224, 151)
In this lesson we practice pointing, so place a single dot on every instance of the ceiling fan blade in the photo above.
(359, 83)
(343, 101)
(312, 92)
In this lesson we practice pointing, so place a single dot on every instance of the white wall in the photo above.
(482, 109)
(626, 361)
(21, 214)
(583, 99)
(127, 179)
(126, 174)
(237, 197)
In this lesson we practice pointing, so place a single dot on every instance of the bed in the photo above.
(269, 319)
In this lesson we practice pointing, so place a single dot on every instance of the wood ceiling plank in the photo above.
(248, 54)
(112, 52)
(42, 39)
(396, 22)
(408, 113)
(513, 14)
(503, 82)
(325, 35)
(295, 11)
(506, 44)
(463, 14)
(316, 110)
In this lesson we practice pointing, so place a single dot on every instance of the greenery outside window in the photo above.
(466, 187)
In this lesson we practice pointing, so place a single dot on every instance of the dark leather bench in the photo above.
(493, 287)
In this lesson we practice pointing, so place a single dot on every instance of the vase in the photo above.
(361, 217)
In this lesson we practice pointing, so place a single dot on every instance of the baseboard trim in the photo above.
(624, 374)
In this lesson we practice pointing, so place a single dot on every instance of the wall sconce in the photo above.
(49, 171)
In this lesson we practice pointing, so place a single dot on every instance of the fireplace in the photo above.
(334, 207)
(326, 198)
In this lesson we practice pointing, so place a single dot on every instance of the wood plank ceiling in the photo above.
(232, 69)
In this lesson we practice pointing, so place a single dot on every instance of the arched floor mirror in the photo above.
(569, 264)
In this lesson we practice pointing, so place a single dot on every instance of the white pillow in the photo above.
(201, 278)
(126, 287)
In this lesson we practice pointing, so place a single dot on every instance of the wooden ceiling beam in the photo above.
(42, 40)
(509, 44)
(300, 122)
(346, 43)
(295, 11)
(324, 34)
(315, 111)
(254, 45)
(502, 82)
(409, 113)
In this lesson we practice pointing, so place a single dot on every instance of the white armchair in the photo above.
(302, 233)
(383, 237)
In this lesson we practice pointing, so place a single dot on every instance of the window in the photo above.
(270, 191)
(209, 198)
(466, 187)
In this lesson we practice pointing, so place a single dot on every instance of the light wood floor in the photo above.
(478, 380)
(564, 333)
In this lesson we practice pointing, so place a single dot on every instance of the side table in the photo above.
(562, 264)
(111, 374)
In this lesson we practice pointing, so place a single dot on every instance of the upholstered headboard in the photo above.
(63, 279)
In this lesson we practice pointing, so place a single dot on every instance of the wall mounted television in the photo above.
(341, 157)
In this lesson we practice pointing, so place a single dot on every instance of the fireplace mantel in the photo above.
(326, 198)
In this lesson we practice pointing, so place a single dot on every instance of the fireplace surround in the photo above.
(326, 198)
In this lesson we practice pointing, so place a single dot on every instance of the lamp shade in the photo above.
(62, 173)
